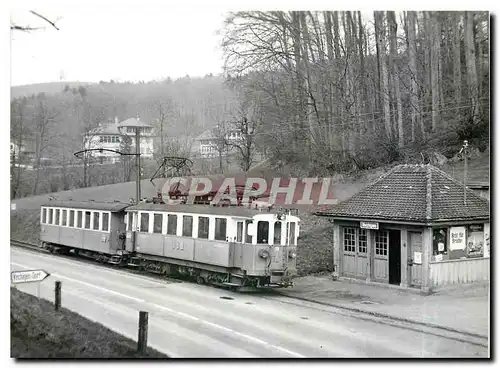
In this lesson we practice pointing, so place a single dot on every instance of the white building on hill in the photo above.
(112, 136)
(207, 142)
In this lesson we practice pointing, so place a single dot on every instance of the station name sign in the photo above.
(18, 277)
(369, 225)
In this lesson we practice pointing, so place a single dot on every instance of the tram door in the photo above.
(131, 221)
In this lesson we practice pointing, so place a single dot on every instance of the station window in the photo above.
(262, 232)
(220, 228)
(248, 238)
(381, 243)
(187, 225)
(79, 219)
(56, 217)
(71, 218)
(239, 231)
(172, 225)
(96, 221)
(363, 241)
(277, 232)
(144, 222)
(87, 219)
(64, 217)
(203, 223)
(44, 215)
(439, 243)
(157, 223)
(349, 239)
(105, 221)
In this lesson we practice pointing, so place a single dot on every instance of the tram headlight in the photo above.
(264, 254)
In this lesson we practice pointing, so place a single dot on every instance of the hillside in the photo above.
(48, 88)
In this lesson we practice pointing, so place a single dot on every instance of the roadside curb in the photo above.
(388, 316)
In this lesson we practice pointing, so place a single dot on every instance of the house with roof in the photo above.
(22, 154)
(111, 136)
(206, 143)
(415, 226)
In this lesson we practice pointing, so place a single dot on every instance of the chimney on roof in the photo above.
(116, 120)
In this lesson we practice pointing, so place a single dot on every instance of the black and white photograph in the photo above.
(221, 181)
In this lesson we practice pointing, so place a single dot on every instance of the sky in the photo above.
(135, 40)
(119, 43)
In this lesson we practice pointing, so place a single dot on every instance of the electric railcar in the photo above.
(230, 246)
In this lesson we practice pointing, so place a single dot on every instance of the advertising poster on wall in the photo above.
(475, 240)
(486, 253)
(457, 238)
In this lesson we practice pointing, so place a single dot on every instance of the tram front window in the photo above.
(263, 232)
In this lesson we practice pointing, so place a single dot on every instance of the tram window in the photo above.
(56, 217)
(71, 218)
(44, 215)
(157, 223)
(262, 232)
(96, 221)
(248, 238)
(87, 219)
(144, 222)
(277, 232)
(50, 216)
(292, 233)
(129, 222)
(64, 217)
(172, 225)
(203, 223)
(79, 219)
(187, 225)
(220, 228)
(105, 221)
(239, 231)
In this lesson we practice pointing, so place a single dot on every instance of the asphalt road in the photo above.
(195, 321)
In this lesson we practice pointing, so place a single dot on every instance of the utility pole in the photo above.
(464, 150)
(138, 162)
(161, 141)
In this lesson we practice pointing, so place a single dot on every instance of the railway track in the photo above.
(448, 333)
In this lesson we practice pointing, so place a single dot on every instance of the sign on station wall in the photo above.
(457, 238)
(369, 225)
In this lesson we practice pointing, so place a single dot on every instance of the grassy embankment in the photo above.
(38, 331)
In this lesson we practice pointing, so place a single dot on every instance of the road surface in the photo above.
(195, 321)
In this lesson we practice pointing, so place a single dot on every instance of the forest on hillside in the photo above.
(320, 92)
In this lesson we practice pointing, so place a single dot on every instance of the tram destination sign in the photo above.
(20, 277)
(369, 225)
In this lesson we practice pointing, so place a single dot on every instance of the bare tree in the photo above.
(19, 134)
(45, 116)
(457, 65)
(380, 32)
(28, 28)
(470, 61)
(393, 34)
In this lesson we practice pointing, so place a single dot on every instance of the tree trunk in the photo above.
(393, 31)
(339, 91)
(479, 52)
(470, 60)
(362, 73)
(434, 56)
(457, 66)
(412, 59)
(384, 79)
